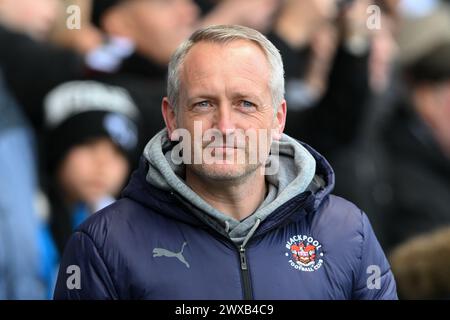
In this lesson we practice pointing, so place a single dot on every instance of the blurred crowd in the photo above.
(367, 85)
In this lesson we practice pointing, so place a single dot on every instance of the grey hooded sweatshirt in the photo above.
(296, 174)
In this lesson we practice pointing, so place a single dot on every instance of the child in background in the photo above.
(90, 145)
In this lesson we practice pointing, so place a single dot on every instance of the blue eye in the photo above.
(247, 104)
(202, 104)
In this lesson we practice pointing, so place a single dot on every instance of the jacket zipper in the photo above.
(245, 275)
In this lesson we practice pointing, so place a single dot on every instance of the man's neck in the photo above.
(237, 200)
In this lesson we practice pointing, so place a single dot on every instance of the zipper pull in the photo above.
(243, 258)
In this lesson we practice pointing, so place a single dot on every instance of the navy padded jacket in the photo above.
(148, 245)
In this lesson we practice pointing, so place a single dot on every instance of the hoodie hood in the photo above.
(296, 174)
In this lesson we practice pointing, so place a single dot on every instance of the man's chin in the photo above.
(223, 170)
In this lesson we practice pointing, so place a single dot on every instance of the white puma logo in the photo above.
(160, 252)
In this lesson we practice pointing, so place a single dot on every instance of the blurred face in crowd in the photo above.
(35, 17)
(320, 9)
(433, 103)
(325, 8)
(93, 170)
(225, 88)
(156, 26)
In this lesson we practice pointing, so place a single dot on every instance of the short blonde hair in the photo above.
(225, 34)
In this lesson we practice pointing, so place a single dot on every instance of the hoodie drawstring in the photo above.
(227, 226)
(251, 232)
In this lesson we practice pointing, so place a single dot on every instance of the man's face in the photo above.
(30, 16)
(158, 26)
(224, 88)
(93, 170)
(319, 9)
(432, 102)
(326, 9)
(440, 120)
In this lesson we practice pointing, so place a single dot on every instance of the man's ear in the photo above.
(279, 121)
(169, 115)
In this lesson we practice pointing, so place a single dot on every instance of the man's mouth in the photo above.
(223, 146)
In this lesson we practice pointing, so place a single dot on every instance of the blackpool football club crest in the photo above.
(304, 253)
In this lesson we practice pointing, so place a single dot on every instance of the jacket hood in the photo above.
(303, 178)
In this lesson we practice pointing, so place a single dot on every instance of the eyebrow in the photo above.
(200, 97)
(244, 95)
(238, 95)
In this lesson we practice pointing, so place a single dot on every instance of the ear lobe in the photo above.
(280, 120)
(276, 135)
(169, 116)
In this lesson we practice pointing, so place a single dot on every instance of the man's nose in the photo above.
(223, 120)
